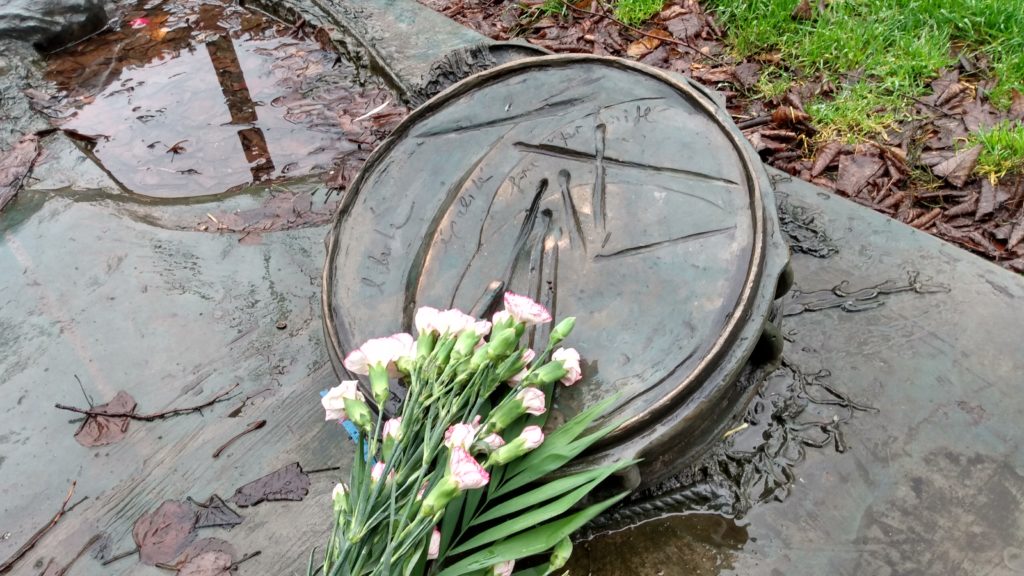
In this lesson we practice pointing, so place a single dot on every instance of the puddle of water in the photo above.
(195, 98)
(690, 544)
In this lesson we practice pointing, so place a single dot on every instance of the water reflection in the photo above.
(203, 97)
(675, 545)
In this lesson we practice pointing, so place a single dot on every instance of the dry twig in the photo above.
(220, 397)
(64, 509)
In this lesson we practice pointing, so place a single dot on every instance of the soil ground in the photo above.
(921, 166)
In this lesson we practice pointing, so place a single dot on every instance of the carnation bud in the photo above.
(560, 554)
(340, 497)
(502, 344)
(359, 413)
(562, 330)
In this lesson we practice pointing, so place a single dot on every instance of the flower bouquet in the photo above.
(463, 480)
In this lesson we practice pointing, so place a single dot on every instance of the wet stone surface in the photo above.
(192, 99)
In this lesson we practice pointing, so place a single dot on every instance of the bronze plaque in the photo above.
(604, 189)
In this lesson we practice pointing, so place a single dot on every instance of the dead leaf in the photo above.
(685, 26)
(922, 221)
(105, 430)
(987, 200)
(162, 535)
(789, 116)
(824, 157)
(212, 563)
(747, 74)
(215, 512)
(1017, 104)
(957, 170)
(803, 11)
(855, 170)
(14, 165)
(642, 47)
(288, 483)
(1017, 235)
(200, 547)
(713, 75)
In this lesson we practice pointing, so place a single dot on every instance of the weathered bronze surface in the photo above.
(605, 190)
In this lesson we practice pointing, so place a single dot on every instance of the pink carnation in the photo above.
(393, 429)
(533, 401)
(378, 471)
(528, 356)
(525, 310)
(449, 322)
(334, 401)
(570, 360)
(493, 441)
(435, 544)
(532, 437)
(503, 568)
(465, 471)
(380, 351)
(462, 434)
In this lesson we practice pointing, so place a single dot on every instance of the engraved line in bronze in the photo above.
(597, 201)
(570, 209)
(546, 111)
(664, 243)
(570, 154)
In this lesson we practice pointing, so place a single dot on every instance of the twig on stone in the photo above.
(220, 397)
(64, 509)
(120, 556)
(251, 428)
(248, 556)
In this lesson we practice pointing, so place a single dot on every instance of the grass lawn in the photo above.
(882, 53)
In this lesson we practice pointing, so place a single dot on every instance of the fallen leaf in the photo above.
(803, 11)
(162, 535)
(713, 75)
(103, 430)
(14, 165)
(824, 157)
(789, 116)
(1017, 104)
(215, 512)
(1017, 235)
(203, 546)
(685, 26)
(855, 170)
(288, 483)
(208, 564)
(642, 47)
(987, 200)
(979, 115)
(934, 157)
(747, 74)
(958, 169)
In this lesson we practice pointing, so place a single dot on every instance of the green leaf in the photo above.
(471, 506)
(550, 490)
(562, 437)
(543, 461)
(531, 518)
(449, 522)
(529, 543)
(541, 570)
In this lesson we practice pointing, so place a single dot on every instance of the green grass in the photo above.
(1002, 149)
(893, 47)
(636, 12)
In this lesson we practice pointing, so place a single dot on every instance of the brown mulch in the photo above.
(944, 197)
